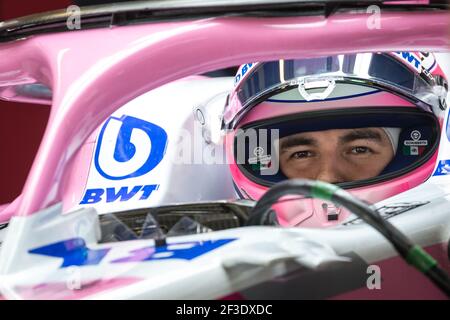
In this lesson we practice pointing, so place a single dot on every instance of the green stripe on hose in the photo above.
(420, 259)
(323, 190)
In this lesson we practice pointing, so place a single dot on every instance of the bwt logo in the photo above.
(95, 195)
(139, 148)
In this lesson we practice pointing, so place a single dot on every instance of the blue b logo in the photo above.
(129, 147)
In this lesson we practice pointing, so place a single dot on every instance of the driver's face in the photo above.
(334, 156)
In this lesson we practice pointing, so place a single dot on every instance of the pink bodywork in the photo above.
(94, 72)
(60, 291)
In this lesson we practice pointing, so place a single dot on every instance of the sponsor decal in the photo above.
(423, 63)
(391, 210)
(443, 168)
(136, 148)
(415, 146)
(428, 61)
(411, 59)
(242, 72)
(95, 195)
(75, 252)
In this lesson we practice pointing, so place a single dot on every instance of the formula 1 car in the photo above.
(126, 198)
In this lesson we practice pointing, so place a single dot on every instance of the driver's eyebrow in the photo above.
(358, 134)
(297, 141)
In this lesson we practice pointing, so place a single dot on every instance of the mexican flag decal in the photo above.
(413, 150)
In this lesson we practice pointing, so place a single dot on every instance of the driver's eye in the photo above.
(360, 150)
(301, 155)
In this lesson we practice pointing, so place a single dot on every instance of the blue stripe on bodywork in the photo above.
(74, 252)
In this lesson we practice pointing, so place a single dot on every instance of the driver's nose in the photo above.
(329, 172)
